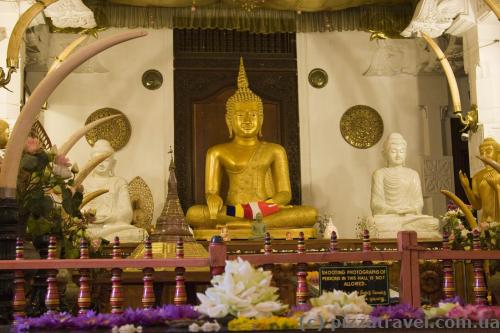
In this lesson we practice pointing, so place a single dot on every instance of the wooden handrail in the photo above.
(101, 263)
(459, 254)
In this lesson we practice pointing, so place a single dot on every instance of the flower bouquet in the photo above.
(241, 291)
(47, 197)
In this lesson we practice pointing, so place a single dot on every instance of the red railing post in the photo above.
(409, 283)
(217, 254)
(52, 296)
(478, 285)
(116, 298)
(448, 278)
(302, 292)
(268, 249)
(148, 295)
(84, 294)
(19, 282)
(180, 297)
(333, 242)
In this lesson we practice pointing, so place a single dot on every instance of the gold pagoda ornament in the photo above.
(170, 226)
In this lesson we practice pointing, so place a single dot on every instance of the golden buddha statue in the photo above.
(258, 175)
(483, 194)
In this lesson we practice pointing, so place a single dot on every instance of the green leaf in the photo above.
(42, 160)
(29, 163)
(38, 227)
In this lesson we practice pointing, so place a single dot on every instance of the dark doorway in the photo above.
(460, 151)
(206, 65)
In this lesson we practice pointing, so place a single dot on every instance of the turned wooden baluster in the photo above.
(268, 249)
(148, 295)
(302, 292)
(333, 242)
(478, 285)
(367, 246)
(448, 278)
(180, 297)
(52, 297)
(116, 299)
(19, 295)
(84, 292)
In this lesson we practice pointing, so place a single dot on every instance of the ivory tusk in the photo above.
(87, 169)
(30, 111)
(67, 51)
(91, 196)
(494, 164)
(452, 82)
(22, 24)
(66, 147)
(467, 212)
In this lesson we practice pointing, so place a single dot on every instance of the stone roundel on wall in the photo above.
(361, 126)
(117, 131)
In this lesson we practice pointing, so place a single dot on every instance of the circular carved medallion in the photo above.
(152, 79)
(318, 78)
(361, 126)
(117, 131)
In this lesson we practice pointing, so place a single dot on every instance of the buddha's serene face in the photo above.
(246, 121)
(487, 151)
(396, 155)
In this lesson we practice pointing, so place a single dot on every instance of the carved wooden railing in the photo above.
(408, 253)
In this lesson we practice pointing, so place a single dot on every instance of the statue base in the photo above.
(206, 234)
(387, 226)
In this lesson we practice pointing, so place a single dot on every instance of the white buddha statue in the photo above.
(113, 209)
(396, 196)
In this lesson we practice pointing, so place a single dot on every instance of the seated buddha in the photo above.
(259, 181)
(113, 209)
(396, 195)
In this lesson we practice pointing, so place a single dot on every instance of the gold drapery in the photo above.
(390, 19)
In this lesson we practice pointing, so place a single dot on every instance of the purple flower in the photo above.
(399, 311)
(91, 320)
(301, 308)
(456, 299)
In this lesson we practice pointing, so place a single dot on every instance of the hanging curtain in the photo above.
(388, 19)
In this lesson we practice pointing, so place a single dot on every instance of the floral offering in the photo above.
(241, 291)
(91, 320)
(331, 305)
(263, 324)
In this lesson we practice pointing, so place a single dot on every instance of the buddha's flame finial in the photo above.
(242, 76)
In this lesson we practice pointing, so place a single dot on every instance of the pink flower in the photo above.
(480, 312)
(62, 160)
(496, 311)
(32, 145)
(460, 227)
(456, 312)
(95, 243)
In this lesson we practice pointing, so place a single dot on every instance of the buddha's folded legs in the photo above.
(293, 217)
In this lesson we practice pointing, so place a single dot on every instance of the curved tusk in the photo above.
(66, 147)
(87, 168)
(452, 82)
(494, 7)
(17, 34)
(494, 164)
(67, 51)
(27, 117)
(91, 196)
(467, 212)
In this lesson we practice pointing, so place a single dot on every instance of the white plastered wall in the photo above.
(150, 112)
(336, 177)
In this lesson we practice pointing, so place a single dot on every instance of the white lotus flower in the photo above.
(337, 303)
(241, 291)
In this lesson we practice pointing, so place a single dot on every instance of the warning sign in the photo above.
(371, 281)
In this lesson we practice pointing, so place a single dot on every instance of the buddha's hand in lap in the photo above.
(214, 204)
